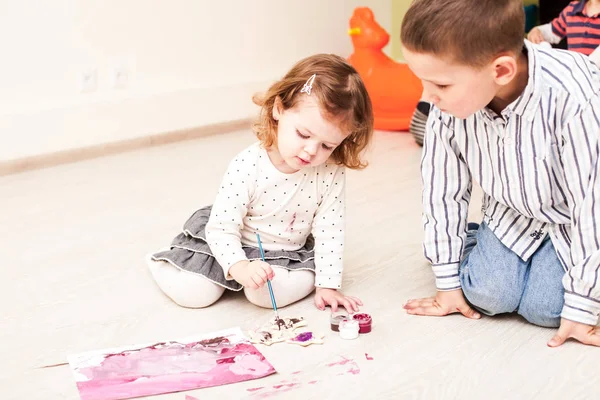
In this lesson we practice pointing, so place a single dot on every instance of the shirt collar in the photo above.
(579, 7)
(526, 104)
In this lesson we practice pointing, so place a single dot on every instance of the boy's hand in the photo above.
(535, 36)
(251, 274)
(332, 297)
(443, 303)
(586, 334)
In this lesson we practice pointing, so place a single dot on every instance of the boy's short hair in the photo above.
(341, 95)
(469, 32)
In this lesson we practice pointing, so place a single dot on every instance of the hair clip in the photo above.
(308, 85)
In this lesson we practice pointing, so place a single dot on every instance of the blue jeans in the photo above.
(496, 281)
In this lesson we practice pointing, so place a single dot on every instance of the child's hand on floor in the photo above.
(535, 36)
(251, 274)
(333, 298)
(443, 303)
(586, 334)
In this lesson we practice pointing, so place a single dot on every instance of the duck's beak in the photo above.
(354, 31)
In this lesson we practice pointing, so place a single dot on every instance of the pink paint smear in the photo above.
(347, 366)
(343, 362)
(281, 387)
(290, 227)
(170, 367)
(368, 357)
(354, 368)
(278, 389)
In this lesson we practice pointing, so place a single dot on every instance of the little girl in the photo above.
(289, 187)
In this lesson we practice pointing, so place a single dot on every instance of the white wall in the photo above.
(190, 63)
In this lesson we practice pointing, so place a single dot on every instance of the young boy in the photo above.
(522, 122)
(580, 23)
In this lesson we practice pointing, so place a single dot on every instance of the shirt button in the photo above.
(508, 141)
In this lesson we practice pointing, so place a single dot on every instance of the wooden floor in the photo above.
(74, 279)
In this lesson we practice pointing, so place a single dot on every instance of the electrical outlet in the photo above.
(119, 76)
(88, 80)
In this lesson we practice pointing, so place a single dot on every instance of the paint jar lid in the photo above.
(349, 324)
(338, 316)
(363, 318)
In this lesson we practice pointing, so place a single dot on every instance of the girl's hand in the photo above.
(535, 36)
(251, 274)
(333, 298)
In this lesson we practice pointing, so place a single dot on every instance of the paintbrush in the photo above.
(262, 255)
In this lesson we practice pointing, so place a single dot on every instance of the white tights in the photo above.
(195, 291)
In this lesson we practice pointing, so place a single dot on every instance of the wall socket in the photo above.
(119, 76)
(88, 80)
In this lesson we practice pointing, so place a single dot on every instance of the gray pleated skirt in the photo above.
(189, 251)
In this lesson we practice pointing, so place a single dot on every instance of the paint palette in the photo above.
(307, 338)
(276, 330)
(284, 330)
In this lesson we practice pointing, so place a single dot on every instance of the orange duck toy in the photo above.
(394, 90)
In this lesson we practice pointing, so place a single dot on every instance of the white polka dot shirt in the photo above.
(283, 208)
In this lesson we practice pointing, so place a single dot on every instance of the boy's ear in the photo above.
(277, 108)
(505, 69)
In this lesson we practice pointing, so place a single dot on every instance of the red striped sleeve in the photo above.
(559, 24)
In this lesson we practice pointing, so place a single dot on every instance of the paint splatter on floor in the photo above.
(353, 367)
(275, 389)
(343, 366)
(289, 385)
(344, 361)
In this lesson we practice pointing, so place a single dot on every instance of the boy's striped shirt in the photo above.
(538, 164)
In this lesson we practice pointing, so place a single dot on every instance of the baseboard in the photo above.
(41, 138)
(74, 155)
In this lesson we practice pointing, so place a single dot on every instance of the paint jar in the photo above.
(364, 322)
(349, 329)
(336, 318)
